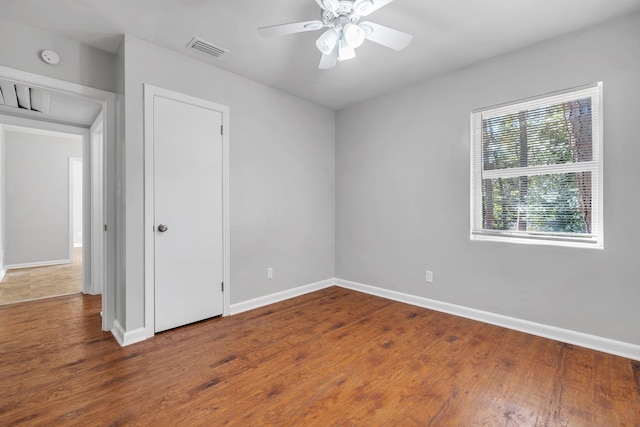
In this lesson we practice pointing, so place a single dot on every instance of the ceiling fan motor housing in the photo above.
(342, 12)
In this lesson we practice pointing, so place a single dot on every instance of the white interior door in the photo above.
(188, 212)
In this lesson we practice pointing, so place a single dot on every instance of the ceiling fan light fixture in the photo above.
(326, 43)
(345, 51)
(353, 35)
(343, 32)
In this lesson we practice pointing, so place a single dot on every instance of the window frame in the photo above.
(595, 239)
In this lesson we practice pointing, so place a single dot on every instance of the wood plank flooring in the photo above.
(333, 357)
(26, 284)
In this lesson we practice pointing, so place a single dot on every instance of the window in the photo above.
(537, 170)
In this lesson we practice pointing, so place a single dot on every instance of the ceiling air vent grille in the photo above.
(24, 97)
(206, 48)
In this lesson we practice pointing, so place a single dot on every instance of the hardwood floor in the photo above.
(26, 284)
(333, 357)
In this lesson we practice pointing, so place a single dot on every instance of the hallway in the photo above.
(26, 284)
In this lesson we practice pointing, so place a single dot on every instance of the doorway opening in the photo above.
(48, 104)
(43, 209)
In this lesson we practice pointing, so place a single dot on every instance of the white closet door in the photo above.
(188, 219)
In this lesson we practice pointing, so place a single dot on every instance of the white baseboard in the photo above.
(37, 264)
(140, 334)
(3, 271)
(279, 296)
(118, 332)
(127, 338)
(606, 345)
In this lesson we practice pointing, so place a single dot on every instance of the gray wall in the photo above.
(79, 63)
(37, 196)
(2, 166)
(402, 198)
(282, 176)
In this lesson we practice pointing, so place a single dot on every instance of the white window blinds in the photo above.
(537, 171)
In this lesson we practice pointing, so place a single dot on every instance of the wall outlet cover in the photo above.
(429, 276)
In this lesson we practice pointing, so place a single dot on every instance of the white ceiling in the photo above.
(447, 35)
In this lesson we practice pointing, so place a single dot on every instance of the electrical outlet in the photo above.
(429, 276)
(269, 273)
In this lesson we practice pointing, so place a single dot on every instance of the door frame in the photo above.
(72, 204)
(108, 102)
(150, 92)
(98, 202)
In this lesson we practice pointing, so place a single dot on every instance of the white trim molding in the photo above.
(96, 276)
(3, 272)
(279, 296)
(72, 202)
(38, 264)
(127, 338)
(593, 342)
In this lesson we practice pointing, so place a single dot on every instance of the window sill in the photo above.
(545, 241)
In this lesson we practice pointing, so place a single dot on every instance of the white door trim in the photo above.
(108, 102)
(149, 255)
(97, 201)
(72, 203)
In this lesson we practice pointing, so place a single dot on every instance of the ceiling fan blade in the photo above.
(329, 61)
(296, 27)
(371, 7)
(331, 5)
(386, 36)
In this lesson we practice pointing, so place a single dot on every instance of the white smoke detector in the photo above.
(50, 57)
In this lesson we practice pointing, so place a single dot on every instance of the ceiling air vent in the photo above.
(24, 97)
(206, 48)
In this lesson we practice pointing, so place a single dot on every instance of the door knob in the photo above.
(162, 228)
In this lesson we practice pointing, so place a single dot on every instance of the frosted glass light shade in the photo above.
(327, 41)
(353, 35)
(345, 51)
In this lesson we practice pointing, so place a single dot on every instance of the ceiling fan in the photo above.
(345, 31)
